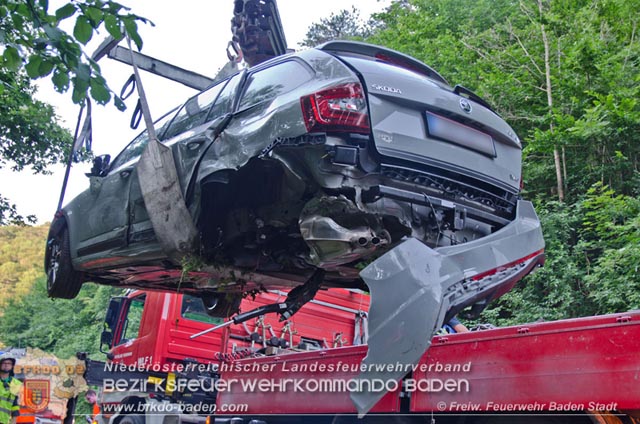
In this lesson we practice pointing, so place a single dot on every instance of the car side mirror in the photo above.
(100, 166)
(111, 323)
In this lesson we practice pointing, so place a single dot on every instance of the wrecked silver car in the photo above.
(302, 172)
(346, 165)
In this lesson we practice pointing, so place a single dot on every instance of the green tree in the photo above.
(29, 135)
(28, 316)
(345, 24)
(33, 40)
(33, 45)
(21, 259)
(61, 327)
(610, 240)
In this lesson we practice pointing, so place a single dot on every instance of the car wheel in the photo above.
(132, 419)
(62, 280)
(222, 305)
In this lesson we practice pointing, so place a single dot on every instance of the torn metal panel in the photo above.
(414, 288)
(407, 286)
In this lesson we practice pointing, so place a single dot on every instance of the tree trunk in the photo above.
(564, 167)
(556, 157)
(547, 72)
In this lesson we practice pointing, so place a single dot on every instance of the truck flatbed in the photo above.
(585, 365)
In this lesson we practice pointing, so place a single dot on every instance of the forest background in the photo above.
(564, 73)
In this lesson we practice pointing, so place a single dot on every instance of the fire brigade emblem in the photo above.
(36, 394)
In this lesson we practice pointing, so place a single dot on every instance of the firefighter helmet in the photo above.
(8, 357)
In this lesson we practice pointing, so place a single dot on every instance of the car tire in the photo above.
(132, 419)
(222, 305)
(63, 281)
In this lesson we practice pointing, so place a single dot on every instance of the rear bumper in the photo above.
(492, 265)
(416, 289)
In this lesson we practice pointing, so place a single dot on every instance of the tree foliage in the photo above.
(29, 135)
(610, 244)
(564, 74)
(33, 45)
(346, 24)
(34, 40)
(61, 327)
(28, 317)
(21, 259)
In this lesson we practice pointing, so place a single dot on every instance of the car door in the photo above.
(140, 229)
(98, 217)
(189, 134)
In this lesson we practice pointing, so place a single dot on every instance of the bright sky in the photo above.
(194, 36)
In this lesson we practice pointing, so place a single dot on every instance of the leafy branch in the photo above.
(34, 41)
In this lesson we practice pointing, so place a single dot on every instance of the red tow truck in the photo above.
(152, 356)
(577, 370)
(152, 328)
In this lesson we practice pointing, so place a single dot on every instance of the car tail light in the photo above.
(342, 108)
